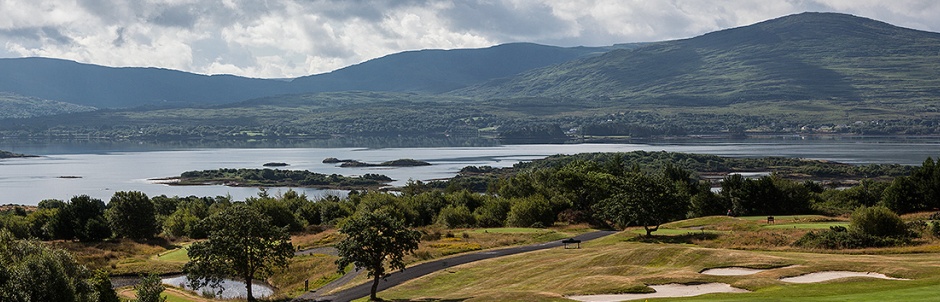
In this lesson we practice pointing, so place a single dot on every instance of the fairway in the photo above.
(618, 264)
(510, 230)
(787, 218)
(856, 290)
(809, 226)
(675, 232)
(176, 255)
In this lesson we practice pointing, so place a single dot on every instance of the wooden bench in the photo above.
(571, 241)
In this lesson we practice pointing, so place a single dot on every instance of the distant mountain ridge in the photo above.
(110, 87)
(429, 71)
(799, 57)
(437, 71)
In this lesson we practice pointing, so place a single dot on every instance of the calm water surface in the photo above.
(231, 289)
(101, 172)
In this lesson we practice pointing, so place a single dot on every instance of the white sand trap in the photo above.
(671, 290)
(832, 275)
(732, 271)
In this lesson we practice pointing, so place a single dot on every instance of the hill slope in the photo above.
(108, 87)
(413, 71)
(437, 70)
(16, 106)
(809, 56)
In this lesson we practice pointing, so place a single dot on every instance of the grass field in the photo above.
(125, 257)
(628, 262)
(171, 294)
(810, 226)
(175, 255)
(507, 230)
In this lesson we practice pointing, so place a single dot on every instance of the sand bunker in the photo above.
(832, 275)
(731, 271)
(671, 290)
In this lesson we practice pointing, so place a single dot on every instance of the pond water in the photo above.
(231, 289)
(66, 171)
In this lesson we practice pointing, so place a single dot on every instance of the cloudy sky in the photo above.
(289, 38)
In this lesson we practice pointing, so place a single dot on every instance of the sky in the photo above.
(291, 38)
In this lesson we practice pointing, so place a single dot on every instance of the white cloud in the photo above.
(299, 37)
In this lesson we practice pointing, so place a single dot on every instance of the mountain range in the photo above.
(777, 75)
(810, 56)
(431, 71)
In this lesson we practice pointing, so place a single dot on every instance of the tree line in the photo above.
(601, 189)
(250, 238)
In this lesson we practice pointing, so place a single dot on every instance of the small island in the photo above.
(8, 154)
(349, 163)
(275, 164)
(276, 178)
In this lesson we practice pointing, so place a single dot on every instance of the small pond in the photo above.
(231, 289)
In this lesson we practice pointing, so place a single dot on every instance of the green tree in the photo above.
(242, 243)
(643, 200)
(372, 238)
(101, 282)
(32, 271)
(456, 217)
(132, 215)
(492, 213)
(534, 211)
(278, 211)
(88, 218)
(149, 289)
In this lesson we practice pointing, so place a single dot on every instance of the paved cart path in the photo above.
(419, 270)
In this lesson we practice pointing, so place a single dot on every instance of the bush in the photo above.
(879, 221)
(870, 227)
(841, 238)
(492, 213)
(532, 211)
(149, 289)
(456, 217)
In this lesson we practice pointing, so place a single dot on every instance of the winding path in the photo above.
(419, 270)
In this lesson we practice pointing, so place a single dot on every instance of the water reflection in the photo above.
(231, 289)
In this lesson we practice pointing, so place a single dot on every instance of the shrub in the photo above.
(456, 217)
(530, 212)
(870, 227)
(492, 213)
(431, 235)
(879, 221)
(842, 238)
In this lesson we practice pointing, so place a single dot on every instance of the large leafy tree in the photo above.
(132, 215)
(372, 238)
(645, 200)
(88, 218)
(32, 271)
(242, 243)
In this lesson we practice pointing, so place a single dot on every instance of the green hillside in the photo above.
(17, 106)
(809, 73)
(809, 56)
(436, 70)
